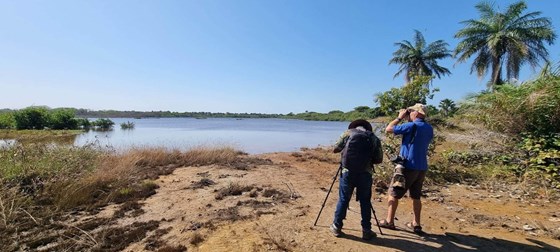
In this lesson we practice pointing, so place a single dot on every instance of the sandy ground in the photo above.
(283, 196)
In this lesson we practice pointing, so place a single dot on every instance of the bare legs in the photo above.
(393, 203)
(417, 209)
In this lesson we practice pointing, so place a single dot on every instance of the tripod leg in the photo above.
(376, 220)
(329, 192)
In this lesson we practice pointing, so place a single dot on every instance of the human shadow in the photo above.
(451, 242)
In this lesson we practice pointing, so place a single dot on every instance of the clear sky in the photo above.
(267, 56)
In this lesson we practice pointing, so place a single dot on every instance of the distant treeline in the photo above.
(361, 112)
(149, 114)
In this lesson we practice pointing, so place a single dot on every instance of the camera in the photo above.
(398, 160)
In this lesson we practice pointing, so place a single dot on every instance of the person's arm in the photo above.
(391, 127)
(339, 145)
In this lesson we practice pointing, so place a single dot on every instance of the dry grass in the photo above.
(196, 239)
(48, 182)
(179, 248)
(231, 190)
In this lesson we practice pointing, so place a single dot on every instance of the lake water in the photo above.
(249, 135)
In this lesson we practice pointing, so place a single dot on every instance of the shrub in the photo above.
(63, 119)
(7, 121)
(532, 107)
(103, 123)
(83, 123)
(416, 91)
(543, 153)
(127, 125)
(31, 118)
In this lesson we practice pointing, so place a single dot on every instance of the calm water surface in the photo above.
(249, 135)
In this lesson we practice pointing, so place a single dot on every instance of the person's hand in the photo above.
(402, 114)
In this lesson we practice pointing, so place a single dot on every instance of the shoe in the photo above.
(368, 235)
(416, 229)
(337, 232)
(387, 225)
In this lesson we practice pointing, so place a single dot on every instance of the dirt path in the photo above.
(278, 201)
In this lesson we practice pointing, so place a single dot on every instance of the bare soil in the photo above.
(272, 205)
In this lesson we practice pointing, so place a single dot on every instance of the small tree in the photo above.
(31, 118)
(63, 119)
(83, 123)
(103, 123)
(416, 91)
(448, 107)
(7, 121)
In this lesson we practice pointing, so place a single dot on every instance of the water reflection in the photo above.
(43, 139)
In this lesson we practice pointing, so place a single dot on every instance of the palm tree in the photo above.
(508, 39)
(419, 59)
(448, 107)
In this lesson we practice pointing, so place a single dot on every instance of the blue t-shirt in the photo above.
(416, 154)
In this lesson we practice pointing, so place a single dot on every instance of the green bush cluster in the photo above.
(543, 153)
(532, 107)
(127, 125)
(416, 91)
(103, 123)
(39, 118)
(7, 121)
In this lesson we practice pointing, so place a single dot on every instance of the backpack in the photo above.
(358, 150)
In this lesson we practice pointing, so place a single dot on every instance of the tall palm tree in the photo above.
(419, 59)
(508, 39)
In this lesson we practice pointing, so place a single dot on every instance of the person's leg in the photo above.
(364, 193)
(394, 194)
(417, 209)
(415, 194)
(345, 194)
(392, 204)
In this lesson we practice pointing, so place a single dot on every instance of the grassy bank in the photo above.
(42, 185)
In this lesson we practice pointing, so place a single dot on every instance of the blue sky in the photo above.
(274, 56)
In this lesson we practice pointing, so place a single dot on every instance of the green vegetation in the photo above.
(31, 118)
(38, 118)
(103, 124)
(127, 125)
(532, 107)
(361, 112)
(7, 121)
(171, 114)
(416, 91)
(508, 39)
(420, 59)
(447, 107)
(62, 119)
(530, 114)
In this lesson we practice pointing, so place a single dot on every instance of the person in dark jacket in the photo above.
(361, 149)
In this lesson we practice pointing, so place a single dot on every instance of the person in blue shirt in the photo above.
(417, 135)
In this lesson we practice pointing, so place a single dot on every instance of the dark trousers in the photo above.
(362, 182)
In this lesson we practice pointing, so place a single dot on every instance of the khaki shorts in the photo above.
(414, 180)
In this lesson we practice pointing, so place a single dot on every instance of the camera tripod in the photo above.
(329, 192)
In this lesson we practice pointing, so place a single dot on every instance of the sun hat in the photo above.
(421, 108)
(360, 122)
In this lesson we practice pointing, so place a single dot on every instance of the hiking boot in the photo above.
(368, 235)
(335, 230)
